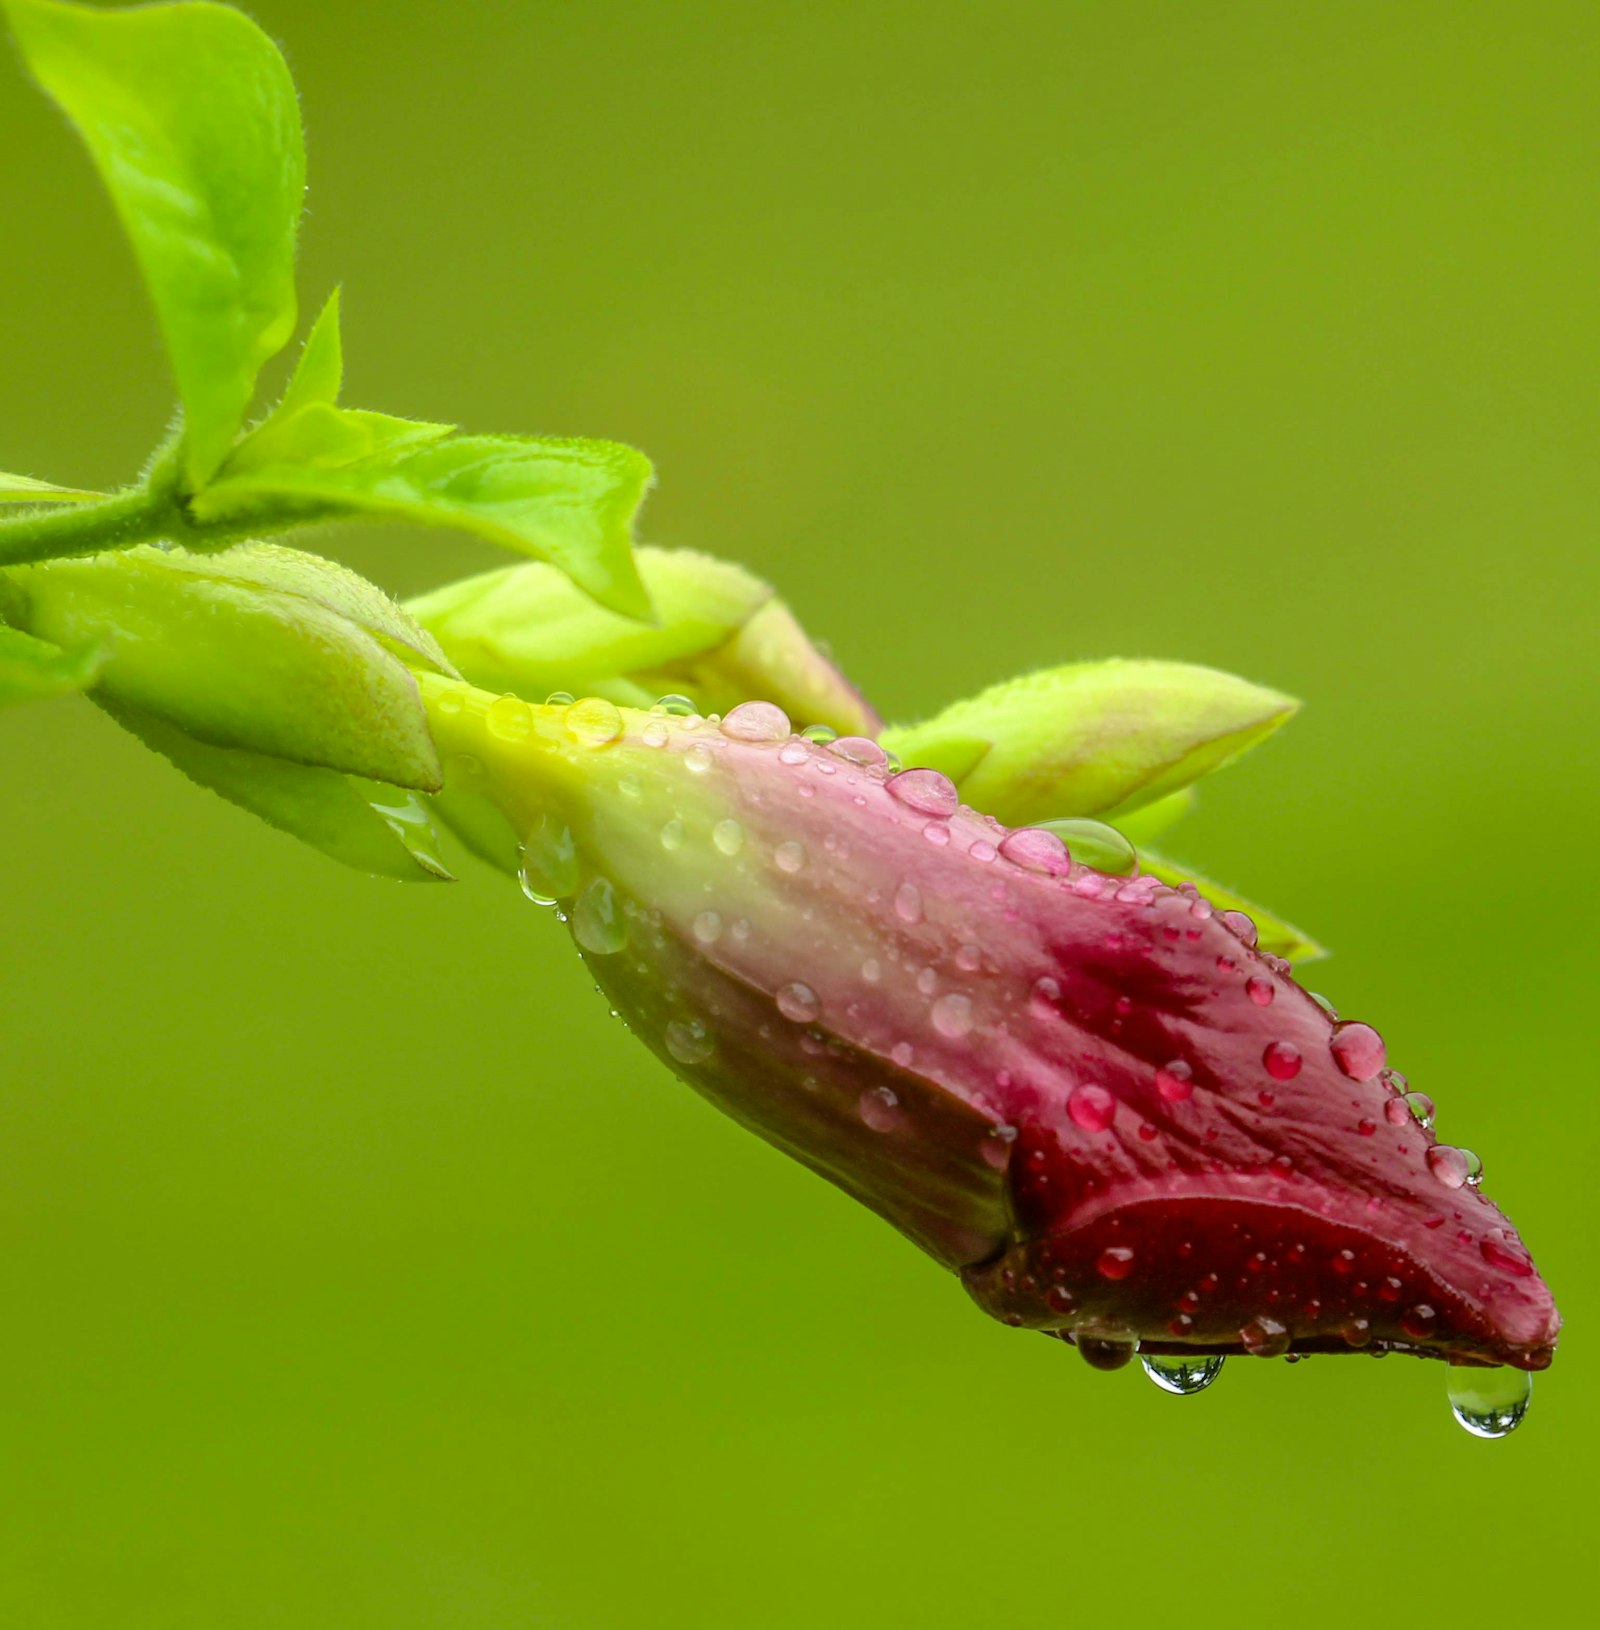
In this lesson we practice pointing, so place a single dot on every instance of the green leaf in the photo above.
(1093, 738)
(567, 501)
(242, 662)
(1142, 826)
(1273, 934)
(479, 825)
(33, 668)
(307, 427)
(360, 823)
(23, 489)
(190, 116)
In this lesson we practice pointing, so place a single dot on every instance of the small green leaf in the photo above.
(570, 502)
(307, 427)
(33, 668)
(1094, 738)
(1273, 934)
(237, 662)
(1142, 826)
(190, 116)
(23, 489)
(360, 823)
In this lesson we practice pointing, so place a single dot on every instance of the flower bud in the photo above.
(1095, 738)
(720, 635)
(1093, 1096)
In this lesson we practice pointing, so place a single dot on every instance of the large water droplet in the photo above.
(1036, 850)
(879, 1108)
(1091, 1107)
(1102, 1353)
(1488, 1403)
(1174, 1082)
(1185, 1375)
(1282, 1060)
(1453, 1167)
(509, 719)
(756, 721)
(952, 1015)
(1093, 843)
(1357, 1050)
(860, 750)
(679, 706)
(593, 722)
(548, 867)
(598, 923)
(728, 836)
(688, 1041)
(926, 791)
(798, 1002)
(789, 856)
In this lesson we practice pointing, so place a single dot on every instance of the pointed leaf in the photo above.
(570, 502)
(360, 823)
(1273, 934)
(1142, 826)
(235, 664)
(33, 668)
(23, 489)
(1095, 738)
(190, 116)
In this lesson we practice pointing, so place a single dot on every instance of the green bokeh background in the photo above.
(358, 1272)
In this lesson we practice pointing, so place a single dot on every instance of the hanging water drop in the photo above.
(1488, 1403)
(1185, 1375)
(548, 865)
(598, 924)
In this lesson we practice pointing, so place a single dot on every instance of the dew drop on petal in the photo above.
(952, 1015)
(879, 1108)
(983, 851)
(1489, 1403)
(793, 752)
(1265, 1336)
(1260, 991)
(1449, 1165)
(789, 856)
(1419, 1321)
(1239, 924)
(1282, 1059)
(560, 698)
(1420, 1107)
(1357, 1050)
(672, 834)
(1507, 1258)
(688, 1041)
(1093, 843)
(908, 903)
(822, 734)
(756, 721)
(798, 1002)
(1036, 850)
(1184, 1375)
(698, 758)
(1091, 1107)
(593, 722)
(860, 750)
(1174, 1082)
(926, 791)
(654, 734)
(728, 836)
(1115, 1262)
(996, 1147)
(708, 927)
(598, 923)
(548, 864)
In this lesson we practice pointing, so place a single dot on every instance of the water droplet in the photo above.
(654, 734)
(450, 703)
(1265, 1336)
(1091, 1107)
(672, 834)
(879, 1108)
(548, 864)
(798, 1002)
(708, 927)
(1239, 924)
(928, 981)
(688, 1041)
(952, 1015)
(1420, 1107)
(756, 721)
(1035, 850)
(698, 758)
(560, 698)
(789, 856)
(1357, 1050)
(1184, 1375)
(728, 836)
(598, 923)
(1093, 843)
(822, 734)
(1508, 1258)
(1323, 1002)
(860, 750)
(996, 1147)
(1174, 1081)
(908, 903)
(593, 722)
(1488, 1403)
(872, 970)
(1451, 1166)
(926, 791)
(983, 851)
(679, 706)
(902, 1054)
(1115, 1262)
(1419, 1321)
(1282, 1060)
(1100, 1353)
(969, 958)
(509, 719)
(793, 752)
(1260, 991)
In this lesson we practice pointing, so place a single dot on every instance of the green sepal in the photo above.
(479, 826)
(31, 669)
(23, 489)
(568, 501)
(373, 828)
(1273, 934)
(190, 116)
(1094, 738)
(244, 650)
(1145, 825)
(720, 637)
(308, 427)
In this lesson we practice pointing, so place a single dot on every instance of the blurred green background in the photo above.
(358, 1272)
